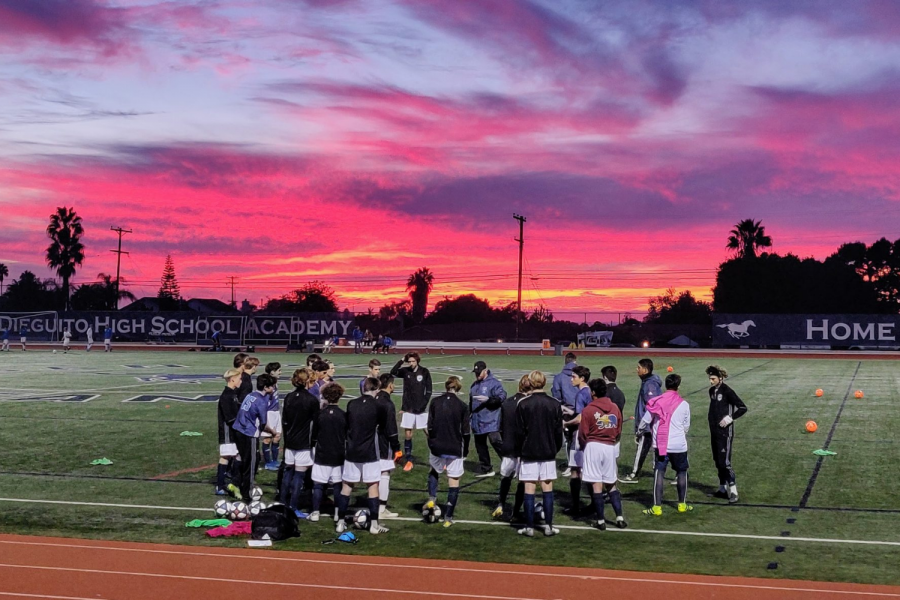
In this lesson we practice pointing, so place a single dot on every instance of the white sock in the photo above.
(384, 487)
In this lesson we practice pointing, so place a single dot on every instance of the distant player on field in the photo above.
(598, 433)
(416, 395)
(362, 463)
(107, 339)
(448, 443)
(486, 395)
(388, 444)
(374, 371)
(725, 406)
(227, 412)
(300, 411)
(539, 435)
(67, 338)
(89, 335)
(509, 463)
(251, 419)
(329, 436)
(4, 335)
(668, 419)
(651, 386)
(216, 338)
(23, 336)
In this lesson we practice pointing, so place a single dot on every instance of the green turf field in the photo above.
(46, 447)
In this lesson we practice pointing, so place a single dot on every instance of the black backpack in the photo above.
(278, 522)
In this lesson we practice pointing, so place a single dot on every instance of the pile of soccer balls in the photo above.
(239, 511)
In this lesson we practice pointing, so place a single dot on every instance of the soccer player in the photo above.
(362, 463)
(329, 437)
(300, 411)
(67, 338)
(312, 359)
(509, 463)
(448, 443)
(668, 419)
(357, 336)
(320, 368)
(598, 433)
(4, 335)
(539, 437)
(227, 412)
(725, 406)
(580, 377)
(216, 340)
(90, 339)
(270, 442)
(374, 371)
(239, 360)
(250, 420)
(387, 344)
(416, 394)
(486, 395)
(107, 339)
(248, 367)
(388, 444)
(616, 395)
(651, 386)
(563, 390)
(23, 336)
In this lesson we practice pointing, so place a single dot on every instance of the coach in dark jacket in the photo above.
(486, 395)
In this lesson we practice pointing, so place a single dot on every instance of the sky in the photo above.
(352, 142)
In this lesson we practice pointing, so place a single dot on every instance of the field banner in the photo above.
(179, 326)
(806, 330)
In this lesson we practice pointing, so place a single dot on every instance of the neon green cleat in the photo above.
(684, 507)
(653, 511)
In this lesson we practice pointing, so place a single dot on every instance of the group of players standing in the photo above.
(329, 447)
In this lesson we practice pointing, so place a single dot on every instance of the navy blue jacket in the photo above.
(562, 388)
(486, 413)
(651, 386)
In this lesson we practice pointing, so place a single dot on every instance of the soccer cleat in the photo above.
(498, 512)
(653, 511)
(684, 507)
(408, 466)
(721, 494)
(601, 525)
(220, 492)
(621, 523)
(234, 490)
(733, 498)
(384, 513)
(483, 475)
(377, 528)
(271, 466)
(314, 516)
(341, 526)
(527, 532)
(550, 530)
(300, 514)
(448, 523)
(673, 482)
(630, 478)
(567, 472)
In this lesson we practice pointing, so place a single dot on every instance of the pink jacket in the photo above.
(663, 407)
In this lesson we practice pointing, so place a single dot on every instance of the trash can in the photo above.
(309, 346)
(559, 350)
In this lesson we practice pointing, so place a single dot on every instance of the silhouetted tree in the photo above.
(419, 285)
(315, 296)
(169, 294)
(878, 264)
(673, 308)
(747, 238)
(4, 273)
(100, 295)
(65, 252)
(467, 308)
(28, 293)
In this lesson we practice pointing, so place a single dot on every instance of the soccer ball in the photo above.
(239, 512)
(256, 507)
(222, 508)
(431, 515)
(54, 352)
(539, 512)
(361, 519)
(256, 493)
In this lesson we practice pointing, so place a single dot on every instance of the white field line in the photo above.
(504, 524)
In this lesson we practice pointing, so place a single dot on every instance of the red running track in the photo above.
(65, 569)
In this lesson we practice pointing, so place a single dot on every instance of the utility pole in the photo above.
(521, 240)
(233, 304)
(119, 254)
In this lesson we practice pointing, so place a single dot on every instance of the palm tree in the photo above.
(747, 238)
(419, 285)
(4, 273)
(66, 252)
(112, 292)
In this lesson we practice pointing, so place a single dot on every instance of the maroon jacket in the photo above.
(601, 421)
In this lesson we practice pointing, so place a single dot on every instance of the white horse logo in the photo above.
(738, 330)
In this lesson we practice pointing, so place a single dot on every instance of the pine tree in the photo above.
(169, 294)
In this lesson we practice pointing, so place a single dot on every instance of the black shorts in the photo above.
(679, 461)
